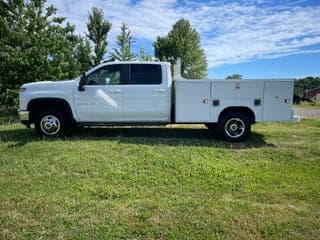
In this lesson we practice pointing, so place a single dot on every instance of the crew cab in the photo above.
(145, 93)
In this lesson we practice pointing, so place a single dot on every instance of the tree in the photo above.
(98, 29)
(234, 76)
(144, 55)
(35, 45)
(124, 40)
(162, 48)
(83, 55)
(304, 84)
(183, 41)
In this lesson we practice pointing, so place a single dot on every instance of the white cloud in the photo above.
(231, 32)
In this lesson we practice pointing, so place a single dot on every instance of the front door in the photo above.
(102, 98)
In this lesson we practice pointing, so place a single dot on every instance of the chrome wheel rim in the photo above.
(235, 127)
(50, 125)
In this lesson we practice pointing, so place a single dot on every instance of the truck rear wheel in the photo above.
(234, 126)
(52, 122)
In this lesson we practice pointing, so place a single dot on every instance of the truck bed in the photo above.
(203, 100)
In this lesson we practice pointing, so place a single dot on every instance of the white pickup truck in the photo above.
(143, 93)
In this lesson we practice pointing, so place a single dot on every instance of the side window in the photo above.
(107, 75)
(146, 74)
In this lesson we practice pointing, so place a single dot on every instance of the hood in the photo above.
(49, 84)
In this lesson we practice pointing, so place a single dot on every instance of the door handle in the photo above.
(159, 91)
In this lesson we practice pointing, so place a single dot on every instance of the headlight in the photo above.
(22, 89)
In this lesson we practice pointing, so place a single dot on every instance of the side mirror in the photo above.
(82, 81)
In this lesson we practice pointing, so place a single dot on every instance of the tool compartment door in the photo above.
(192, 101)
(278, 97)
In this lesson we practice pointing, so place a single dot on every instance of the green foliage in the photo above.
(304, 84)
(124, 40)
(83, 55)
(8, 97)
(163, 50)
(98, 29)
(35, 46)
(144, 55)
(161, 183)
(124, 52)
(183, 41)
(234, 76)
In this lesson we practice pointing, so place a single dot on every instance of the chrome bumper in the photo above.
(24, 115)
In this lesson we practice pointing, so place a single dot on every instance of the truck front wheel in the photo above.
(234, 127)
(51, 122)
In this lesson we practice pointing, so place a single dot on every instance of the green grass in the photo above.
(8, 116)
(161, 183)
(308, 105)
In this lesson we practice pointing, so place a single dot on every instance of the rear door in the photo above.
(278, 97)
(147, 97)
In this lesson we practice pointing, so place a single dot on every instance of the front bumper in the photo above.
(24, 116)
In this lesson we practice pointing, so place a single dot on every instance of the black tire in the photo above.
(234, 126)
(52, 123)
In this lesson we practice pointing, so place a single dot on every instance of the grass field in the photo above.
(161, 183)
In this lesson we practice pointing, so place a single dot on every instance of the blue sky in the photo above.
(255, 38)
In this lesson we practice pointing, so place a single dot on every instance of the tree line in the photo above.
(302, 85)
(38, 45)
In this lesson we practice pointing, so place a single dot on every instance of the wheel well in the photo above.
(39, 104)
(245, 110)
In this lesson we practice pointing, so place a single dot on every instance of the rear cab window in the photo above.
(145, 74)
